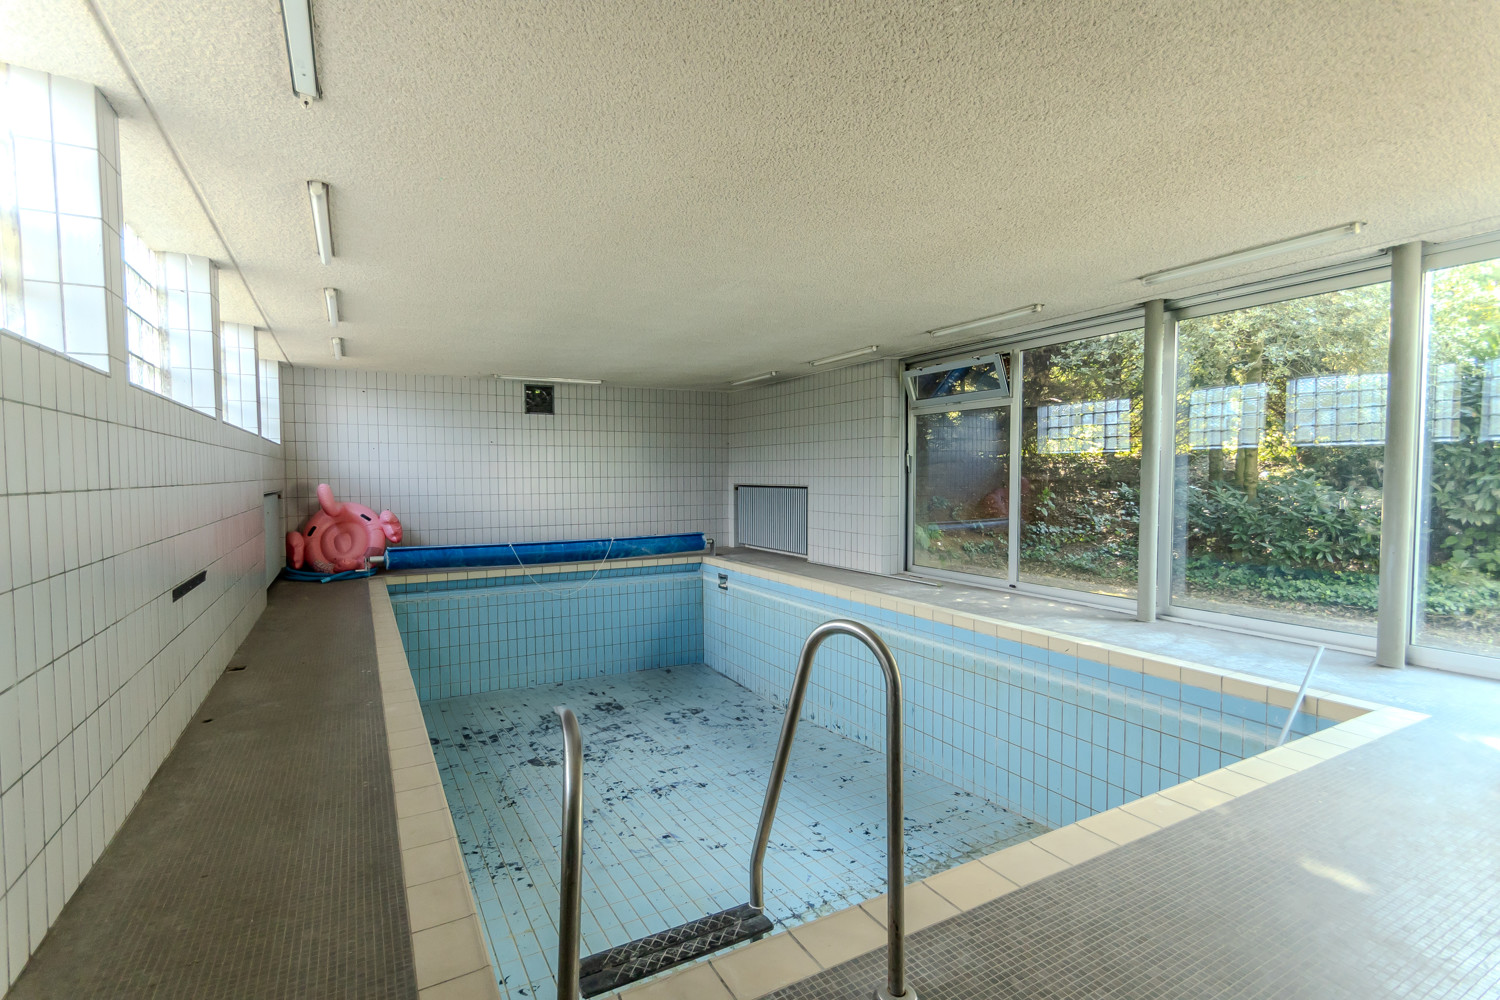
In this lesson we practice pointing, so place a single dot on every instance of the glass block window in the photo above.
(1327, 410)
(191, 290)
(145, 340)
(55, 183)
(1445, 397)
(237, 342)
(1226, 416)
(270, 400)
(1092, 427)
(1489, 412)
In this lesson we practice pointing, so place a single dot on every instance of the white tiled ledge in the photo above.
(1326, 705)
(754, 970)
(447, 941)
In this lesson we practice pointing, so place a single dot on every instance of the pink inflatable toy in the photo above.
(341, 536)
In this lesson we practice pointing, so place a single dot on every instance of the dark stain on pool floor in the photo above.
(675, 768)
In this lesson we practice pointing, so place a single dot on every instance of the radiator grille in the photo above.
(771, 517)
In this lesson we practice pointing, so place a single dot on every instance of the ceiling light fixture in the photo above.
(846, 355)
(338, 348)
(945, 331)
(756, 378)
(318, 192)
(331, 299)
(541, 378)
(1254, 253)
(297, 19)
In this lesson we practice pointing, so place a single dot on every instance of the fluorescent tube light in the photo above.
(331, 299)
(318, 192)
(338, 348)
(543, 378)
(297, 18)
(846, 355)
(756, 378)
(945, 331)
(1254, 253)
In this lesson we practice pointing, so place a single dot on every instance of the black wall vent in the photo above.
(181, 590)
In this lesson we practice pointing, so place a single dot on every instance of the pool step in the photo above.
(621, 966)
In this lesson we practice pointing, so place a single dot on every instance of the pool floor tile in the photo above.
(675, 766)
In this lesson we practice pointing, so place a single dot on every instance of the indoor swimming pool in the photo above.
(675, 763)
(679, 670)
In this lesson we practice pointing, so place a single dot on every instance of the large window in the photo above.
(1081, 464)
(1458, 588)
(52, 227)
(239, 375)
(1280, 444)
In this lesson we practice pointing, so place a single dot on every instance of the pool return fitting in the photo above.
(649, 955)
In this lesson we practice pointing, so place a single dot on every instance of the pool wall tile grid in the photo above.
(1046, 733)
(474, 635)
(674, 770)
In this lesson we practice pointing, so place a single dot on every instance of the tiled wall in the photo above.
(1050, 735)
(460, 463)
(840, 434)
(112, 497)
(545, 627)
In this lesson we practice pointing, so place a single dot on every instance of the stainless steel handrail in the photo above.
(570, 891)
(895, 894)
(1291, 714)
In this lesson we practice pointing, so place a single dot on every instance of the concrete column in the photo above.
(1403, 426)
(1153, 410)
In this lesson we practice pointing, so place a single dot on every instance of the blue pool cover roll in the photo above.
(535, 553)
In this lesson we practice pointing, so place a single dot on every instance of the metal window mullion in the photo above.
(1403, 422)
(1166, 479)
(1153, 404)
(1013, 507)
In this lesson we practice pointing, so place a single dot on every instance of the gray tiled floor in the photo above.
(1362, 877)
(262, 860)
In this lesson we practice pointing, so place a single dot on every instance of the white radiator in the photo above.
(771, 517)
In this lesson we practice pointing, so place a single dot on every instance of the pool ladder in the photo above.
(627, 963)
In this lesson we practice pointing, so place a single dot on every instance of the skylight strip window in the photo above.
(145, 340)
(191, 288)
(239, 375)
(270, 400)
(58, 189)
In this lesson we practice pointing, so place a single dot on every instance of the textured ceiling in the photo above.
(665, 193)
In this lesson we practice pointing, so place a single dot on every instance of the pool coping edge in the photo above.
(447, 940)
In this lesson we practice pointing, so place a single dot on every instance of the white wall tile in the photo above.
(459, 462)
(840, 434)
(111, 497)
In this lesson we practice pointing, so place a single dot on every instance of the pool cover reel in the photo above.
(536, 553)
